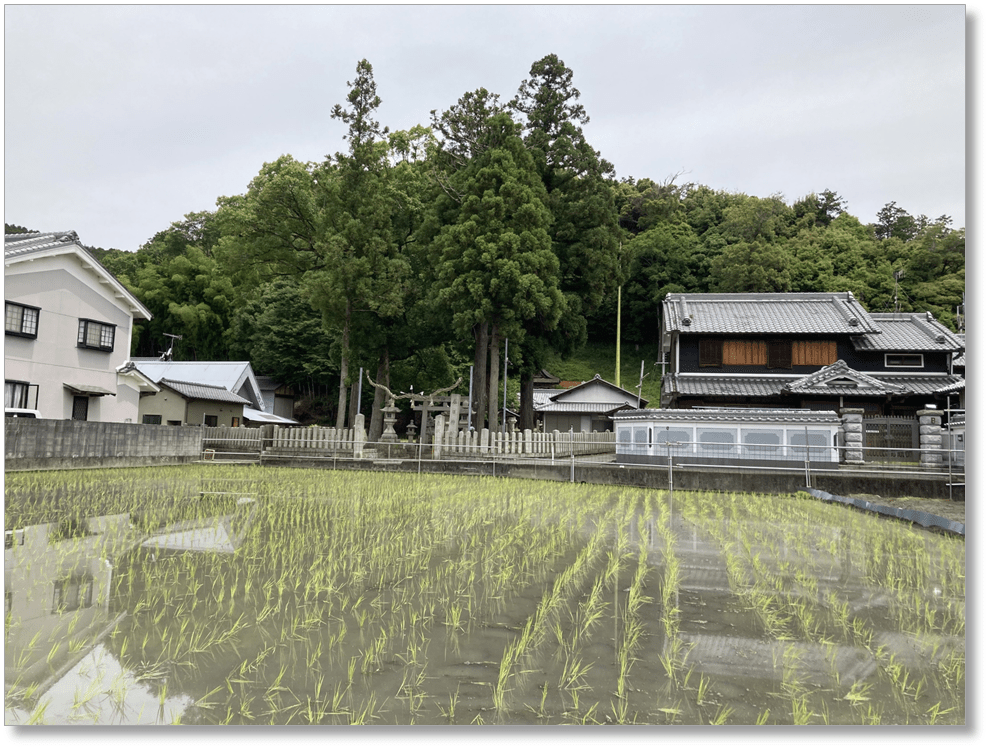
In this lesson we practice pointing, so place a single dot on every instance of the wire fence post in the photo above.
(807, 458)
(669, 469)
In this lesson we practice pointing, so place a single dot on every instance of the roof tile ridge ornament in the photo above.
(844, 305)
(683, 312)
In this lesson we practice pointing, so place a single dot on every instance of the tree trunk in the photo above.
(480, 374)
(382, 378)
(493, 379)
(526, 411)
(344, 369)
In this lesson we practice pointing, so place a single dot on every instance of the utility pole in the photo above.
(618, 342)
(504, 399)
(470, 401)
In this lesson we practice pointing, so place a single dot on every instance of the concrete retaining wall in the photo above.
(724, 479)
(41, 444)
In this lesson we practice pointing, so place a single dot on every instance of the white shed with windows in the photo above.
(727, 436)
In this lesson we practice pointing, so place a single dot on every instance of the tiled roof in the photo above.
(583, 408)
(18, 245)
(544, 378)
(597, 379)
(908, 331)
(923, 384)
(728, 385)
(755, 386)
(22, 247)
(199, 391)
(766, 313)
(952, 387)
(742, 415)
(541, 396)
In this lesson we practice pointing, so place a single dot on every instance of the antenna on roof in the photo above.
(167, 355)
(897, 275)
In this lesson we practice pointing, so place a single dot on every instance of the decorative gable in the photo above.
(840, 379)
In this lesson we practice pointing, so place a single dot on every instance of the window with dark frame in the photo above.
(73, 593)
(151, 419)
(209, 421)
(21, 320)
(904, 360)
(710, 352)
(779, 354)
(96, 335)
(19, 394)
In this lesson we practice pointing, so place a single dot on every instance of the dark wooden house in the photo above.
(819, 351)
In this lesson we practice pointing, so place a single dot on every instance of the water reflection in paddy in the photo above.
(360, 598)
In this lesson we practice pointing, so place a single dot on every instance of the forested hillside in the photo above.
(415, 254)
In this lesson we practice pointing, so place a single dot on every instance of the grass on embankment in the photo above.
(599, 358)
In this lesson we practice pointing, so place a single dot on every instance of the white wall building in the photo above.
(67, 332)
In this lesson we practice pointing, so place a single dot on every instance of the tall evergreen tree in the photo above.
(586, 235)
(363, 268)
(496, 265)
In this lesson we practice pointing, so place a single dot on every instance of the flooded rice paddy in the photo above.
(246, 595)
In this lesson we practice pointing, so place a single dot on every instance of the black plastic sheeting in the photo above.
(925, 519)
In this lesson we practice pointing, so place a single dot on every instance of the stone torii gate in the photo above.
(388, 433)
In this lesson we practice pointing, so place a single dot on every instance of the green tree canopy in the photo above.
(496, 261)
(753, 267)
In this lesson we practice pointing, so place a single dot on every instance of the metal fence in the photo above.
(257, 445)
(885, 433)
(750, 453)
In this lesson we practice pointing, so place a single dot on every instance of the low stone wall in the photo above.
(40, 444)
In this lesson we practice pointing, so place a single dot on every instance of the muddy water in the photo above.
(483, 601)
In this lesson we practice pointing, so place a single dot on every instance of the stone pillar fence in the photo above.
(930, 438)
(445, 442)
(452, 444)
(851, 428)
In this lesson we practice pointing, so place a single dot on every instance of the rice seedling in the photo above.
(334, 586)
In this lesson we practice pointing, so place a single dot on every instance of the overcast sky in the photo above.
(119, 120)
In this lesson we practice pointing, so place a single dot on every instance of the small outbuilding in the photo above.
(587, 407)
